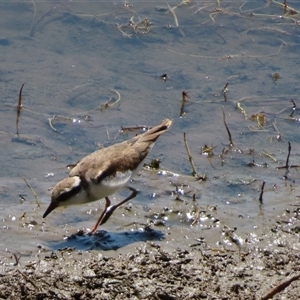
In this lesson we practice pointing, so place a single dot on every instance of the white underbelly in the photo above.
(110, 185)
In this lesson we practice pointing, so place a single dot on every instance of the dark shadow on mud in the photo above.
(103, 240)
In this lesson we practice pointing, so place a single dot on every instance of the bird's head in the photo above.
(64, 193)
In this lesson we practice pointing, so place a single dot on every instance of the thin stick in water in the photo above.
(194, 173)
(185, 95)
(293, 109)
(228, 132)
(19, 108)
(288, 156)
(33, 192)
(225, 90)
(262, 192)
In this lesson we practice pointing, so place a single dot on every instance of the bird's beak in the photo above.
(51, 207)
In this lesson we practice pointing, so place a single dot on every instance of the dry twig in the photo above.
(280, 287)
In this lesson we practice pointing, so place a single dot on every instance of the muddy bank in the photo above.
(151, 271)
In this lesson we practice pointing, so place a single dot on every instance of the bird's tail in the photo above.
(153, 134)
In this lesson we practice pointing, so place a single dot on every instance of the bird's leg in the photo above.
(109, 211)
(107, 205)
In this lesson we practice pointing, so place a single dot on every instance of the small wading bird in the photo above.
(103, 172)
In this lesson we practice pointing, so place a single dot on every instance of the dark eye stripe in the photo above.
(68, 194)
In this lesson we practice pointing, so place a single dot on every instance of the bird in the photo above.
(105, 171)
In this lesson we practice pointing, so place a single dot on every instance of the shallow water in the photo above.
(73, 58)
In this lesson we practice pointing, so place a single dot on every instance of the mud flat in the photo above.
(153, 271)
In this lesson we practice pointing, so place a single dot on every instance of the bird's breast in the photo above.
(110, 184)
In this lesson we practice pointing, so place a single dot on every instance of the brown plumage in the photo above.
(104, 171)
